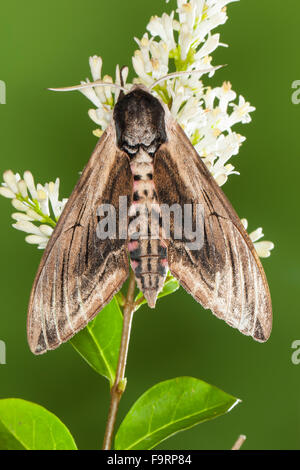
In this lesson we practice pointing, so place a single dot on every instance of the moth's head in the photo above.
(139, 121)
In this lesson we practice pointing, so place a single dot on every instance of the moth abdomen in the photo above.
(150, 269)
(147, 254)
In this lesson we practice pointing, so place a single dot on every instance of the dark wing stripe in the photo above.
(43, 319)
(229, 288)
(256, 290)
(241, 277)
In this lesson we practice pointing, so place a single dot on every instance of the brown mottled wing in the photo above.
(79, 273)
(225, 274)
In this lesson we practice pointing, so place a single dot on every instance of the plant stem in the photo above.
(119, 384)
(238, 444)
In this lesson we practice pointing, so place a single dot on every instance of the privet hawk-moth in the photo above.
(145, 157)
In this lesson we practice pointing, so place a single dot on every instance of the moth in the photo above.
(145, 156)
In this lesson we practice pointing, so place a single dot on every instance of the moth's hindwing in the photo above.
(225, 274)
(79, 273)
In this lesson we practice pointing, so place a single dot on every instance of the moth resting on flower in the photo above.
(182, 40)
(145, 156)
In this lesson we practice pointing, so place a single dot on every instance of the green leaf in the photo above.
(99, 342)
(170, 407)
(120, 299)
(28, 426)
(171, 285)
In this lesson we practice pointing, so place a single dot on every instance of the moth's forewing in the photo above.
(79, 273)
(225, 274)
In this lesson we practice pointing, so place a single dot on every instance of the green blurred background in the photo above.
(48, 44)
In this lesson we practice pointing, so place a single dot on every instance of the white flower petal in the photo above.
(28, 227)
(163, 27)
(22, 186)
(264, 248)
(10, 179)
(221, 179)
(42, 197)
(7, 192)
(256, 235)
(209, 46)
(36, 240)
(53, 193)
(20, 206)
(46, 230)
(245, 223)
(90, 94)
(34, 215)
(28, 178)
(43, 245)
(96, 67)
(18, 216)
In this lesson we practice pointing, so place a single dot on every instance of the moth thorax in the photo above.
(143, 157)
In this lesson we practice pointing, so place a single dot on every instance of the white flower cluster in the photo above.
(181, 41)
(264, 247)
(104, 98)
(38, 206)
(185, 40)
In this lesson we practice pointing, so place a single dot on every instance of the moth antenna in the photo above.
(88, 85)
(124, 69)
(121, 75)
(184, 72)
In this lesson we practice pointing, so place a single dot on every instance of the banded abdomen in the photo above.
(148, 253)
